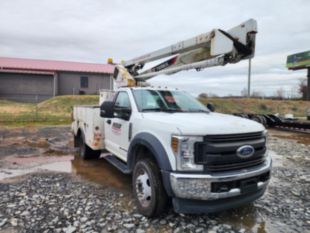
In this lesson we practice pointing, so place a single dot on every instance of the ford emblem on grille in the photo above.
(245, 151)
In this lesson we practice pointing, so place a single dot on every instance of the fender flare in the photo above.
(154, 145)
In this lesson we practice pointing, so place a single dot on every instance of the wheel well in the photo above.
(76, 138)
(141, 152)
(154, 145)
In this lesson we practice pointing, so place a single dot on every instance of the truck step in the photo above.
(120, 165)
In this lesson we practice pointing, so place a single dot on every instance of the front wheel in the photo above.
(85, 151)
(148, 190)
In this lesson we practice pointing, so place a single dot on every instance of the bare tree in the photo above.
(280, 93)
(256, 94)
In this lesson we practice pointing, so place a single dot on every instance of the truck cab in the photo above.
(176, 149)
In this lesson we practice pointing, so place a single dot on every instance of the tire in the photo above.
(85, 151)
(148, 190)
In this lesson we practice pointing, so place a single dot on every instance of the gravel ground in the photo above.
(59, 202)
(288, 198)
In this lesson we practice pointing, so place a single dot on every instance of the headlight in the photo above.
(183, 148)
(265, 133)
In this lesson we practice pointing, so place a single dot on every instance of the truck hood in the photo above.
(204, 123)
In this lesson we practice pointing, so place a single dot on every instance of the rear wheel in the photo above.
(85, 151)
(148, 190)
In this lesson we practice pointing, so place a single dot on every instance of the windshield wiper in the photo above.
(172, 110)
(198, 110)
(160, 110)
(151, 109)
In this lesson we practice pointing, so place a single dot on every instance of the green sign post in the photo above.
(300, 61)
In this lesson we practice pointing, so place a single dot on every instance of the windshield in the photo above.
(167, 101)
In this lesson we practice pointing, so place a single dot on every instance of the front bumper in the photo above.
(202, 186)
(187, 206)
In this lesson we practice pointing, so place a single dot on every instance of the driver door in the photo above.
(117, 128)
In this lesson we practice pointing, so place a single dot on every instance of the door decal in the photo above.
(116, 128)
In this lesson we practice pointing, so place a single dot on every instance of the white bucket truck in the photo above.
(174, 147)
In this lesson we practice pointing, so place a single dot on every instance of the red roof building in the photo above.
(8, 63)
(32, 80)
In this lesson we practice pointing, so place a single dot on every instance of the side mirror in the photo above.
(106, 109)
(122, 112)
(211, 107)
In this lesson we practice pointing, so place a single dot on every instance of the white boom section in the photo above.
(220, 43)
(214, 48)
(196, 65)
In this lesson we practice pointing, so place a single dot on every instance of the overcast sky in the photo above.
(93, 30)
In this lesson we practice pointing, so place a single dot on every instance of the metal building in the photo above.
(31, 80)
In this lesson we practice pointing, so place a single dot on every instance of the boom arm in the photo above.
(215, 48)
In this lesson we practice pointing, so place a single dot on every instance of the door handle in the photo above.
(109, 121)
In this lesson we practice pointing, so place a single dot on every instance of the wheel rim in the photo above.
(143, 188)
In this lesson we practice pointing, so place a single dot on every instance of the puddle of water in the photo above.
(27, 150)
(57, 167)
(65, 166)
(18, 166)
(101, 172)
(97, 171)
(38, 160)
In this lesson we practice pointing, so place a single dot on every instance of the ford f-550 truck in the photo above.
(174, 147)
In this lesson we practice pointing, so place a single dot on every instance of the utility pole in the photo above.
(308, 84)
(249, 79)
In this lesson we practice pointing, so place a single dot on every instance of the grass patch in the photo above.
(11, 107)
(260, 106)
(53, 111)
(63, 105)
(57, 111)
